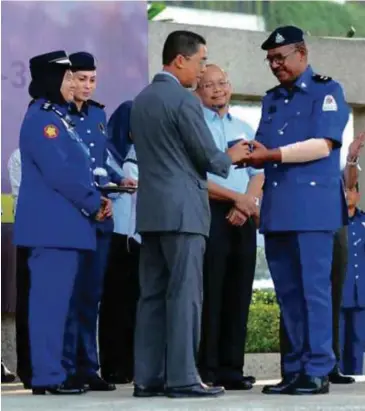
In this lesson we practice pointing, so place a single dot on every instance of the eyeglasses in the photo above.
(278, 59)
(213, 86)
(202, 62)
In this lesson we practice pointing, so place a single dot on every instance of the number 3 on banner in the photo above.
(19, 72)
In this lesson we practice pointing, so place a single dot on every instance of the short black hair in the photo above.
(181, 42)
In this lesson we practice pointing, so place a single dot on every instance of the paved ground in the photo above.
(341, 398)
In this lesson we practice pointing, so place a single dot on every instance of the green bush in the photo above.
(319, 18)
(264, 296)
(263, 323)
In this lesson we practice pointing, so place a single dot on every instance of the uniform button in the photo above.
(82, 118)
(313, 183)
(274, 183)
(93, 159)
(355, 255)
(356, 265)
(91, 170)
(91, 144)
(275, 165)
(286, 101)
(298, 113)
(353, 233)
(357, 277)
(88, 131)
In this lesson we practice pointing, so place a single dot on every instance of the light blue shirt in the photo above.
(225, 129)
(124, 205)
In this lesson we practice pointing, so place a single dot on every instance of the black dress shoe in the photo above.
(285, 386)
(116, 378)
(62, 389)
(336, 377)
(193, 391)
(95, 383)
(312, 385)
(6, 375)
(145, 392)
(235, 385)
(249, 378)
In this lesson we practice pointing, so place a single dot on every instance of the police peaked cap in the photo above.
(82, 61)
(282, 36)
(55, 61)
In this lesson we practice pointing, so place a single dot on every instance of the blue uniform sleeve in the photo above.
(50, 154)
(259, 136)
(114, 176)
(331, 114)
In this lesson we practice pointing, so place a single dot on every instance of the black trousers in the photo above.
(117, 314)
(24, 368)
(338, 272)
(229, 270)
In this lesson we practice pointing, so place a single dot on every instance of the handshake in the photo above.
(251, 154)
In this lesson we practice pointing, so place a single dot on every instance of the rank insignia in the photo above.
(102, 128)
(51, 131)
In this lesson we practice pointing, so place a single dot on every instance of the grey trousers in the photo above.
(168, 320)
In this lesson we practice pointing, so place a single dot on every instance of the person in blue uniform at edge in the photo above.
(56, 210)
(121, 287)
(352, 317)
(81, 356)
(298, 142)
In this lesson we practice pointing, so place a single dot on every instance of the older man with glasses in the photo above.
(230, 257)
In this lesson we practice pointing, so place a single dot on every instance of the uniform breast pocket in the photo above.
(266, 130)
(300, 119)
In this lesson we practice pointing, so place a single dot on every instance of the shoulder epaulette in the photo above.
(321, 79)
(272, 89)
(95, 103)
(46, 106)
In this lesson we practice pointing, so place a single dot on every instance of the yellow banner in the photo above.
(7, 204)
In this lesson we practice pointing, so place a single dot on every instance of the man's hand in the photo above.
(236, 217)
(129, 182)
(356, 146)
(261, 155)
(246, 204)
(239, 152)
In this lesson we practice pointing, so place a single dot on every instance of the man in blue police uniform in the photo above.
(90, 121)
(298, 142)
(352, 319)
(56, 212)
(338, 271)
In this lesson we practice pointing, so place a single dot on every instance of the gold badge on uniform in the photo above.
(51, 131)
(102, 128)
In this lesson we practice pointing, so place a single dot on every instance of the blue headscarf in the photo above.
(119, 141)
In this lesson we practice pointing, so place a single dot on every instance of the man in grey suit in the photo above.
(175, 150)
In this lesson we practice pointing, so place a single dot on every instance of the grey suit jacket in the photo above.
(175, 150)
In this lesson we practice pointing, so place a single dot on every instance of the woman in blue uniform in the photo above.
(81, 355)
(56, 212)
